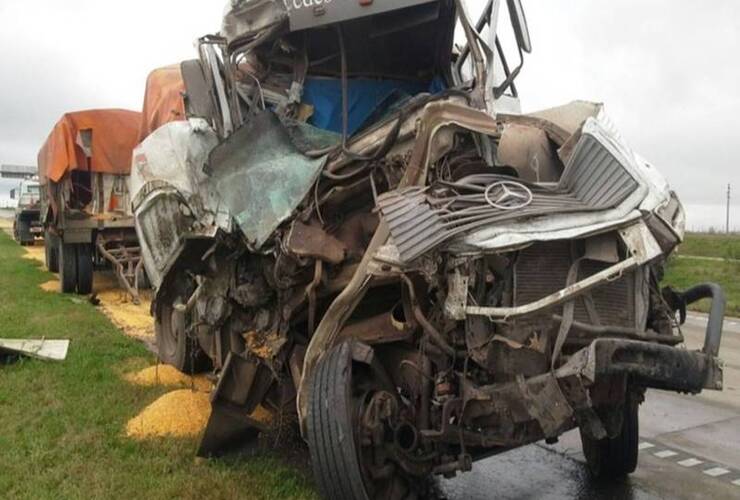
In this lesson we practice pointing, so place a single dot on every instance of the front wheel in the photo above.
(349, 435)
(174, 345)
(614, 458)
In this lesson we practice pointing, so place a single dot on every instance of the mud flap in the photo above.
(243, 384)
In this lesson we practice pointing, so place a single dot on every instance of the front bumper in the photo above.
(659, 366)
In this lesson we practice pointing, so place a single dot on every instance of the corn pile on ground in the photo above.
(180, 413)
(166, 375)
(115, 303)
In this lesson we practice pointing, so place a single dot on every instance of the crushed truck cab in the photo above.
(355, 225)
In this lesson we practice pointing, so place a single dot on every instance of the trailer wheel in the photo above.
(23, 233)
(614, 458)
(67, 267)
(174, 345)
(344, 465)
(51, 250)
(84, 269)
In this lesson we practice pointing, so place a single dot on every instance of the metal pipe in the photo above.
(428, 328)
(621, 331)
(713, 335)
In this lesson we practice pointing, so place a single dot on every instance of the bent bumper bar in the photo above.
(660, 366)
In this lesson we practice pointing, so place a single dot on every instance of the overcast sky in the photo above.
(667, 70)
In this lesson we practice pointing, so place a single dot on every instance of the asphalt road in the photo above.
(690, 448)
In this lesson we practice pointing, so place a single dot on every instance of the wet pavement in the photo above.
(690, 448)
(534, 472)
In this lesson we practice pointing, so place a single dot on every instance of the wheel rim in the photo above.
(172, 326)
(385, 481)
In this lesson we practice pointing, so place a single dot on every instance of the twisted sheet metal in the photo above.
(421, 219)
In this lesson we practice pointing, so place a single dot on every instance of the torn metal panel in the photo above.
(172, 199)
(262, 185)
(569, 117)
(528, 149)
(594, 181)
(245, 19)
(312, 241)
(48, 350)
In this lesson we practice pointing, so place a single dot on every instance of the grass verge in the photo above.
(62, 424)
(721, 246)
(686, 272)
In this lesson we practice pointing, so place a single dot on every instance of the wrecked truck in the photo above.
(355, 225)
(85, 203)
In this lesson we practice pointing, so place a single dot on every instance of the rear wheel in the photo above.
(51, 250)
(23, 233)
(613, 458)
(67, 267)
(347, 433)
(84, 269)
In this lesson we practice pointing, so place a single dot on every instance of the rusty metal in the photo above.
(381, 329)
(126, 261)
(312, 241)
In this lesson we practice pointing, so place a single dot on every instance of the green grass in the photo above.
(721, 246)
(683, 272)
(61, 424)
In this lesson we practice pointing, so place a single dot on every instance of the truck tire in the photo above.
(84, 269)
(330, 431)
(68, 267)
(614, 458)
(174, 346)
(23, 233)
(51, 250)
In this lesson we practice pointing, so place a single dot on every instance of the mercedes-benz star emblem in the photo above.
(508, 195)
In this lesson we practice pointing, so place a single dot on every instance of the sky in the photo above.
(666, 70)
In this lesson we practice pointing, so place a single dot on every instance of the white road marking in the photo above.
(645, 445)
(690, 462)
(666, 454)
(716, 472)
(736, 482)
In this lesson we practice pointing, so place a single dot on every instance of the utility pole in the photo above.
(727, 224)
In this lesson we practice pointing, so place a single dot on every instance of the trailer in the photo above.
(85, 203)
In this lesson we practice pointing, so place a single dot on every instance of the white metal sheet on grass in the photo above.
(53, 350)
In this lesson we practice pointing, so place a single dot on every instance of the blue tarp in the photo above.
(365, 95)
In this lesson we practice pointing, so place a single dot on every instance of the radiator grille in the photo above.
(542, 270)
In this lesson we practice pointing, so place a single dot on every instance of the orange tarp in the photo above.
(163, 101)
(114, 134)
